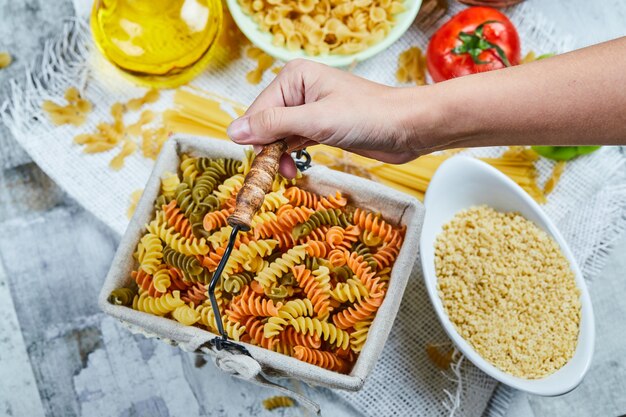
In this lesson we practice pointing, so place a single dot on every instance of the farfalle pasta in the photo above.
(324, 26)
(305, 281)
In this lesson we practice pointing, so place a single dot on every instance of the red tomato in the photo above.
(478, 39)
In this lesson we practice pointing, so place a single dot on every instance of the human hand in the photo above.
(309, 103)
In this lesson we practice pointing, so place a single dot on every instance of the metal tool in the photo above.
(257, 183)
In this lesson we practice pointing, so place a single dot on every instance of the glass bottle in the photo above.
(159, 43)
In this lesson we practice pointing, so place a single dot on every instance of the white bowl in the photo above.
(460, 183)
(263, 39)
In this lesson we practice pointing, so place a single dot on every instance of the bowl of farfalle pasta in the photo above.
(334, 32)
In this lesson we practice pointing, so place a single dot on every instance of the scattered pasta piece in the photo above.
(323, 26)
(277, 291)
(552, 182)
(441, 358)
(412, 66)
(109, 135)
(263, 61)
(74, 113)
(276, 70)
(278, 401)
(137, 103)
(5, 59)
(127, 149)
(134, 199)
(152, 141)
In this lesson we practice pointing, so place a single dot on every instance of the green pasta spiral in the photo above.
(187, 264)
(206, 183)
(184, 200)
(232, 166)
(122, 296)
(234, 283)
(363, 250)
(203, 164)
(312, 263)
(331, 217)
(341, 273)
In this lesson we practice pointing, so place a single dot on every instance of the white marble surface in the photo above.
(52, 366)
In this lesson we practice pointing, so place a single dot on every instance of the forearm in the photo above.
(577, 98)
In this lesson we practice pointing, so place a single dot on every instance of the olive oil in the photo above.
(159, 43)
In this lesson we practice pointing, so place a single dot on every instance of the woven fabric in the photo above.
(588, 205)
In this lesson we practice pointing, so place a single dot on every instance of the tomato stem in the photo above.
(475, 44)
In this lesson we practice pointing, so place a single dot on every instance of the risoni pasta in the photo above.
(305, 281)
(324, 26)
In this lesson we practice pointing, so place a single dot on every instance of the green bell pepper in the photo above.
(564, 153)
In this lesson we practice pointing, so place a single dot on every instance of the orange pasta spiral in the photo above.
(332, 201)
(362, 270)
(285, 239)
(324, 359)
(316, 234)
(254, 329)
(212, 259)
(176, 280)
(316, 291)
(338, 257)
(196, 294)
(177, 219)
(216, 219)
(291, 337)
(289, 216)
(334, 237)
(317, 249)
(251, 304)
(387, 254)
(144, 281)
(359, 312)
(299, 197)
(375, 223)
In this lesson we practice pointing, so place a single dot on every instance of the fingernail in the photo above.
(239, 130)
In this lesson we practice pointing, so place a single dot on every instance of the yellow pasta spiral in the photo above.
(169, 183)
(153, 252)
(161, 279)
(351, 291)
(359, 335)
(322, 329)
(172, 238)
(186, 315)
(247, 251)
(287, 312)
(268, 276)
(158, 306)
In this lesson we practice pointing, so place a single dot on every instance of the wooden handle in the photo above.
(258, 182)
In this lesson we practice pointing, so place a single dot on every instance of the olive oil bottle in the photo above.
(158, 43)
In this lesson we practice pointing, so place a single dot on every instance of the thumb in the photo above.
(271, 124)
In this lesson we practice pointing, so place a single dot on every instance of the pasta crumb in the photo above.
(509, 291)
(412, 66)
(552, 182)
(74, 113)
(263, 61)
(5, 59)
